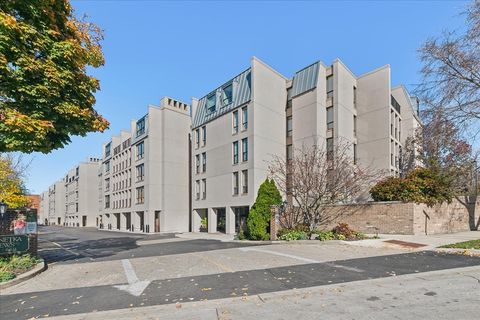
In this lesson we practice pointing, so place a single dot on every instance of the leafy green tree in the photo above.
(46, 94)
(259, 216)
(422, 185)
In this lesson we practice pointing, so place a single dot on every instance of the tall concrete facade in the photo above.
(56, 203)
(145, 184)
(81, 194)
(44, 212)
(177, 169)
(238, 126)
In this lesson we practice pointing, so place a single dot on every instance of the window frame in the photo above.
(235, 151)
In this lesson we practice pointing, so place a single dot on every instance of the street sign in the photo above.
(13, 244)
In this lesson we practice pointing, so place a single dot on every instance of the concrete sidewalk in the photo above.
(446, 294)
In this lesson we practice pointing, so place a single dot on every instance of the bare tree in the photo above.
(316, 177)
(451, 73)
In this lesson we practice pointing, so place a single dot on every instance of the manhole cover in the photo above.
(406, 244)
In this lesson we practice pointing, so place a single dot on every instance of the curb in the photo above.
(466, 252)
(39, 268)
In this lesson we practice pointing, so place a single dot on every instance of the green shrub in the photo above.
(257, 225)
(14, 264)
(325, 235)
(258, 219)
(422, 185)
(294, 235)
(5, 276)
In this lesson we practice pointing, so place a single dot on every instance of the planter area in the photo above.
(15, 265)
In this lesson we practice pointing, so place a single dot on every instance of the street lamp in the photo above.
(3, 209)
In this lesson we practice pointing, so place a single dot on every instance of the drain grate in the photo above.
(406, 244)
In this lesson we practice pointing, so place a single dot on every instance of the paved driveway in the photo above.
(94, 271)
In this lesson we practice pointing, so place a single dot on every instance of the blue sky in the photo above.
(185, 49)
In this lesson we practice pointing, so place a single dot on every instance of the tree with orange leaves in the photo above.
(46, 95)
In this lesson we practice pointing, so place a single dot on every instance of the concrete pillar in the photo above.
(123, 221)
(229, 220)
(212, 220)
(196, 221)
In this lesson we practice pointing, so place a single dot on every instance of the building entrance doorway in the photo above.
(84, 221)
(157, 221)
(117, 217)
(141, 218)
(221, 219)
(241, 214)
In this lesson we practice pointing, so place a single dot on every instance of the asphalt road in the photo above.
(74, 245)
(87, 245)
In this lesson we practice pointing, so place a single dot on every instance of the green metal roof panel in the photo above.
(241, 94)
(305, 79)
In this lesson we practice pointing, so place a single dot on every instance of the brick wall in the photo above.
(460, 215)
(405, 218)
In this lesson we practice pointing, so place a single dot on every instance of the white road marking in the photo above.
(330, 264)
(135, 287)
(149, 242)
(68, 250)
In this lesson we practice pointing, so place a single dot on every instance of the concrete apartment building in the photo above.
(236, 128)
(81, 194)
(239, 126)
(56, 203)
(145, 185)
(43, 214)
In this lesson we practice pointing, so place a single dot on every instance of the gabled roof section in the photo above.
(241, 94)
(305, 79)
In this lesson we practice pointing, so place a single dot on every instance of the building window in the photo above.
(197, 138)
(107, 150)
(107, 201)
(107, 184)
(245, 181)
(354, 153)
(141, 126)
(329, 148)
(354, 97)
(329, 118)
(245, 149)
(204, 189)
(227, 94)
(289, 152)
(140, 195)
(330, 86)
(354, 126)
(140, 150)
(244, 118)
(204, 162)
(140, 172)
(197, 190)
(211, 103)
(235, 183)
(289, 126)
(235, 152)
(235, 121)
(107, 166)
(197, 163)
(76, 207)
(204, 135)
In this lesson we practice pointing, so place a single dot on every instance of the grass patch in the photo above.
(11, 266)
(472, 244)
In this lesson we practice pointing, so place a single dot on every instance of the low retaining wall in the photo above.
(405, 218)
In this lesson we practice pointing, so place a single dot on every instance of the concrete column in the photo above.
(212, 220)
(123, 221)
(229, 220)
(196, 221)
